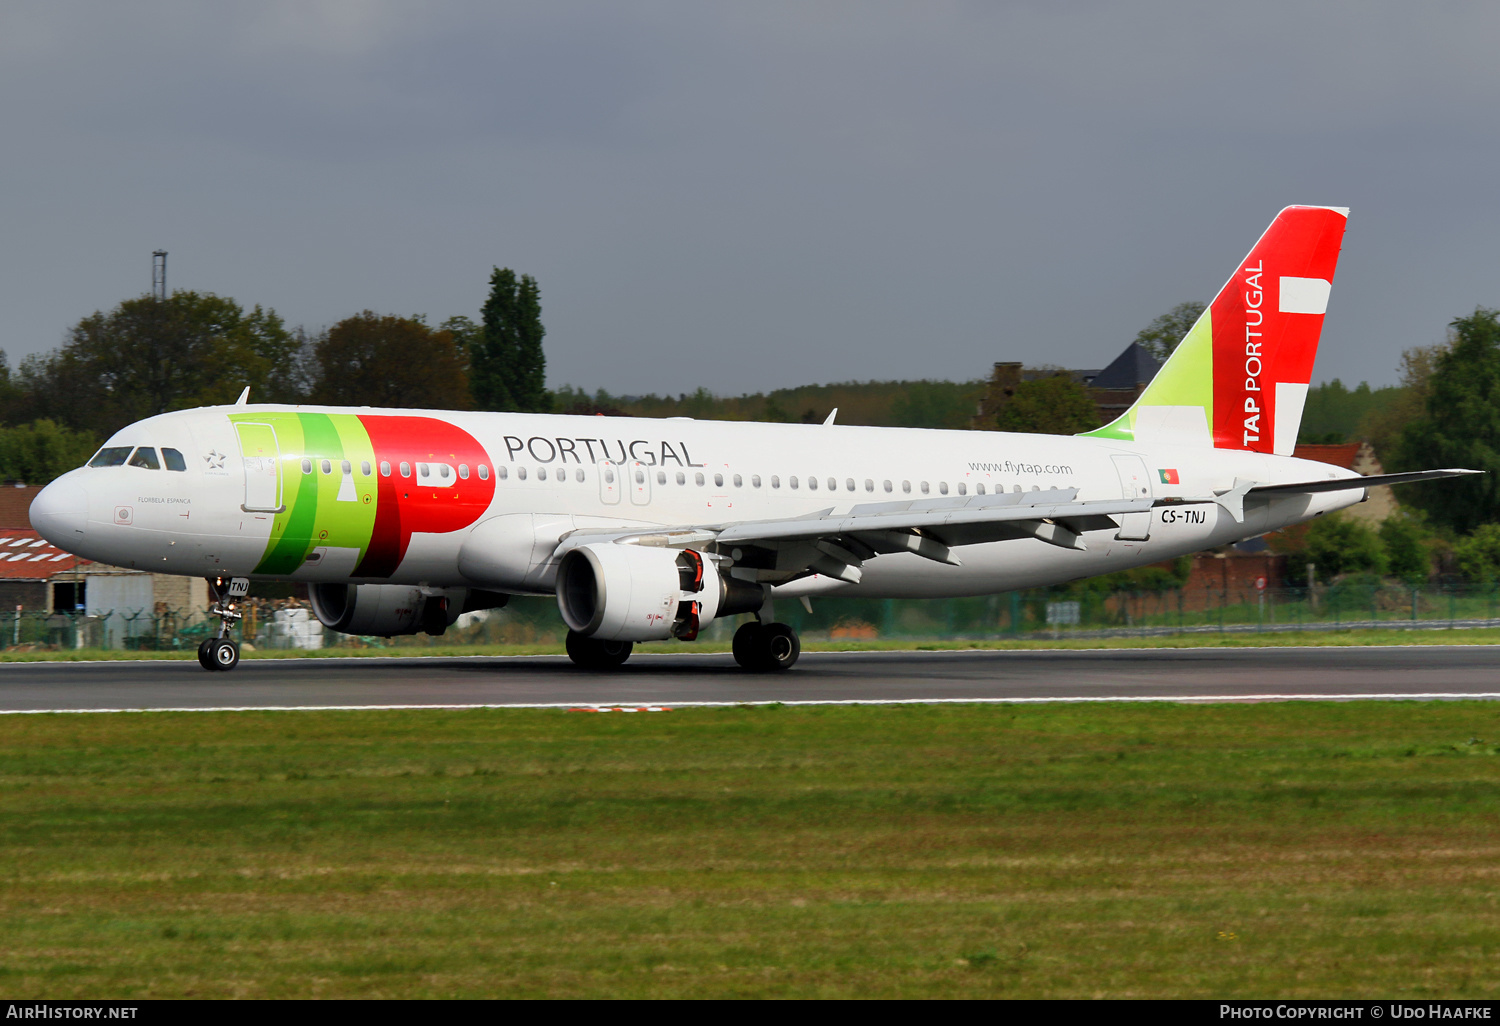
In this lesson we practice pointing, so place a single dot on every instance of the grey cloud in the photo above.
(753, 195)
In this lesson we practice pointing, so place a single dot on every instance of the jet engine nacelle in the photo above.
(385, 609)
(620, 592)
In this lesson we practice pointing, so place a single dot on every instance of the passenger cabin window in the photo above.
(754, 480)
(718, 480)
(484, 473)
(792, 482)
(423, 470)
(444, 471)
(942, 487)
(739, 482)
(833, 484)
(979, 489)
(364, 467)
(173, 459)
(405, 469)
(962, 488)
(869, 485)
(812, 484)
(681, 478)
(924, 488)
(328, 466)
(775, 481)
(661, 477)
(906, 487)
(145, 457)
(888, 486)
(849, 484)
(578, 475)
(385, 468)
(520, 473)
(463, 471)
(698, 479)
(111, 456)
(347, 468)
(307, 466)
(541, 474)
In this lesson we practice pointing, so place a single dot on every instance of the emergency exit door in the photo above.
(262, 458)
(1134, 484)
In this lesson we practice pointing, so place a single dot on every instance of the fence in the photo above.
(1040, 613)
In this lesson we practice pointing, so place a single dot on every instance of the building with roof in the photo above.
(1113, 389)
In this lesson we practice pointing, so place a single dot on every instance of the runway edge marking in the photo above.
(1073, 700)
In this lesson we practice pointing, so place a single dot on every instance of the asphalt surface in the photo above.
(678, 680)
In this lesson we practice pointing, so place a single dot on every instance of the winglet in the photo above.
(835, 413)
(244, 397)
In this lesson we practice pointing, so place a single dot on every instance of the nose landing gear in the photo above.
(220, 652)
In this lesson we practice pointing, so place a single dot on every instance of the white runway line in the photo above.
(1411, 696)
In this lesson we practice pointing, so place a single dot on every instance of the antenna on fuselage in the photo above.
(244, 397)
(835, 413)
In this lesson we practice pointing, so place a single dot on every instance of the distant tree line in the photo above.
(149, 356)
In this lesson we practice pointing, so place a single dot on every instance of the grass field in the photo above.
(1330, 849)
(1350, 638)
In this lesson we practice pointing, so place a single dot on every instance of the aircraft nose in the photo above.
(60, 512)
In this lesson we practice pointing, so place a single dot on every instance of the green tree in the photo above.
(1407, 553)
(38, 452)
(933, 404)
(1161, 336)
(1478, 555)
(1054, 405)
(1382, 426)
(370, 360)
(1461, 427)
(1342, 545)
(466, 335)
(149, 356)
(508, 370)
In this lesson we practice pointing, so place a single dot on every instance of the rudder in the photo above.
(1239, 378)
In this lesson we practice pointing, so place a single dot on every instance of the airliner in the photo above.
(399, 521)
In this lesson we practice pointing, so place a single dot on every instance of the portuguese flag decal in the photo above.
(1169, 477)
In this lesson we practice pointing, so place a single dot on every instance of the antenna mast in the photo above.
(159, 274)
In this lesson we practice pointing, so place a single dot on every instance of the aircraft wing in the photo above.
(835, 544)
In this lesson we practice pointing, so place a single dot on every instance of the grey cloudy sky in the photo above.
(751, 195)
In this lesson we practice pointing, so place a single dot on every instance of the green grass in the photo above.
(1294, 850)
(1288, 639)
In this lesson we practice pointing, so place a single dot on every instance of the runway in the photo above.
(1266, 674)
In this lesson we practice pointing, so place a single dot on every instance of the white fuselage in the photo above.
(220, 516)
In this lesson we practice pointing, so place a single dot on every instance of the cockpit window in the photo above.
(145, 457)
(110, 456)
(173, 459)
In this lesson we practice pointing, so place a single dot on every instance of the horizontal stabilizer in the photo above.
(1346, 483)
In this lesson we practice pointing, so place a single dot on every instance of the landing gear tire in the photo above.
(744, 645)
(594, 654)
(205, 655)
(223, 654)
(766, 648)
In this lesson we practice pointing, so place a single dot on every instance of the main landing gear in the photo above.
(594, 654)
(758, 647)
(220, 652)
(766, 647)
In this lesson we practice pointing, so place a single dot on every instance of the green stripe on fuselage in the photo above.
(315, 514)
